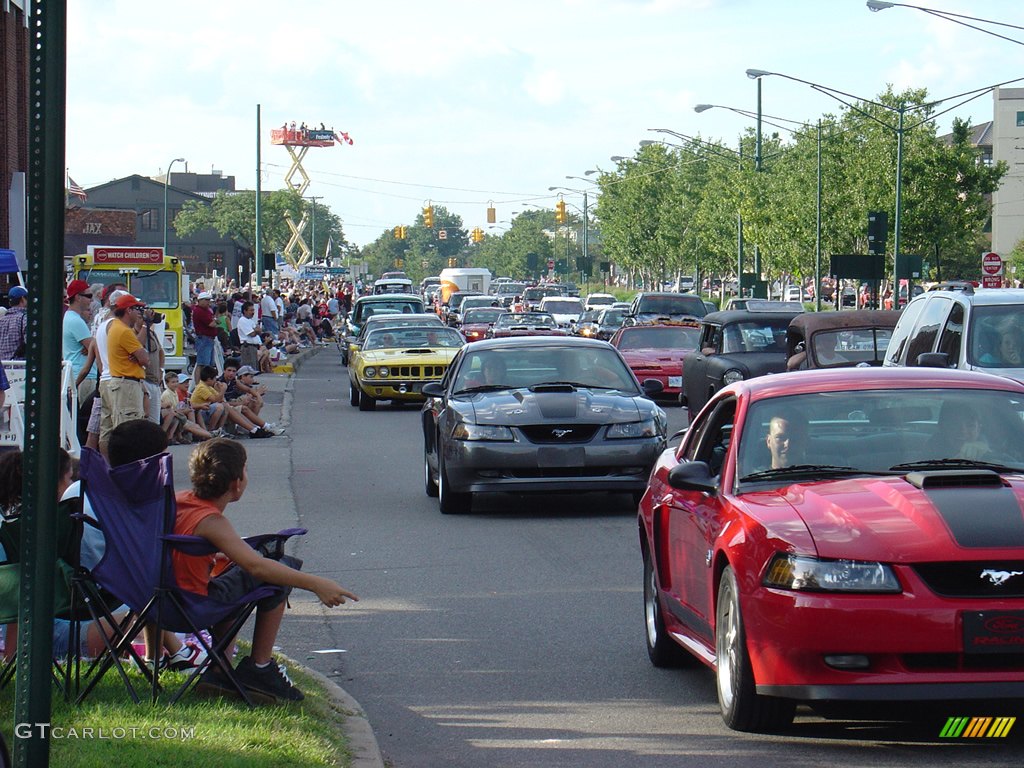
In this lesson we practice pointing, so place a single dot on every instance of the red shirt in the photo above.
(192, 571)
(202, 321)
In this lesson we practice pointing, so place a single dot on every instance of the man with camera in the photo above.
(153, 379)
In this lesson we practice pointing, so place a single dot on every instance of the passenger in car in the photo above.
(962, 427)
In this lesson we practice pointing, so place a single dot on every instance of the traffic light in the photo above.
(560, 212)
(399, 233)
(452, 261)
(399, 263)
(405, 231)
(477, 235)
(428, 217)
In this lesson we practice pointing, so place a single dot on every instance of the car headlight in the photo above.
(809, 574)
(633, 429)
(464, 431)
(732, 376)
(369, 372)
(384, 373)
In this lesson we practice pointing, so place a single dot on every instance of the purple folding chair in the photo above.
(135, 508)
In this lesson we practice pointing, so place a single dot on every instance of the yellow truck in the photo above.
(151, 277)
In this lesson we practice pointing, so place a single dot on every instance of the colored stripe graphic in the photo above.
(977, 727)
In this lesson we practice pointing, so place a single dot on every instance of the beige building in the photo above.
(1007, 139)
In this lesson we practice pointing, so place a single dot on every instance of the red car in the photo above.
(478, 321)
(845, 535)
(511, 324)
(657, 352)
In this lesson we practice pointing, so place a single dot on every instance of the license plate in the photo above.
(993, 631)
(561, 457)
(675, 381)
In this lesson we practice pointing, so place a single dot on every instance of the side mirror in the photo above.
(433, 389)
(652, 387)
(692, 476)
(933, 360)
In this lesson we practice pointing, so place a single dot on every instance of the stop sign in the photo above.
(992, 264)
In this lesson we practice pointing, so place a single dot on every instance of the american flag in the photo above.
(74, 189)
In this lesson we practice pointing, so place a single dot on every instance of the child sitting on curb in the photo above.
(217, 470)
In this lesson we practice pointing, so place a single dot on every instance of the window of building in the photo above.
(149, 219)
(1020, 119)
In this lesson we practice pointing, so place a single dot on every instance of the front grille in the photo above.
(983, 579)
(548, 472)
(561, 434)
(416, 371)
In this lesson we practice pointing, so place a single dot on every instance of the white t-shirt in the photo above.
(247, 326)
(101, 347)
(268, 307)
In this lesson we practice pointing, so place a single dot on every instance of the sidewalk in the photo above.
(270, 506)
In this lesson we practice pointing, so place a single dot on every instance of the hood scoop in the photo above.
(955, 478)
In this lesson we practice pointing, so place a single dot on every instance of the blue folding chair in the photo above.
(135, 508)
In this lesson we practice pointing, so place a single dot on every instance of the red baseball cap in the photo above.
(128, 301)
(76, 287)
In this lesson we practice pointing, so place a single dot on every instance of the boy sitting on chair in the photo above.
(217, 470)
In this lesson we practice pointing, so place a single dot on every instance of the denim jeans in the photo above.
(204, 350)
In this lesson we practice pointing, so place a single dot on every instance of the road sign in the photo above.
(442, 234)
(991, 264)
(991, 281)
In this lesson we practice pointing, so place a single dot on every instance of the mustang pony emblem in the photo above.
(564, 432)
(998, 578)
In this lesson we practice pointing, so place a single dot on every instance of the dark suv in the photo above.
(957, 326)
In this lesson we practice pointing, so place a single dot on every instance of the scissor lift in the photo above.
(297, 251)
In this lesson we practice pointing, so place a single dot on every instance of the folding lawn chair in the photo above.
(135, 507)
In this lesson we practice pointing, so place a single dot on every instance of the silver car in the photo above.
(539, 414)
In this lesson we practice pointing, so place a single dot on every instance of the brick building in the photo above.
(14, 61)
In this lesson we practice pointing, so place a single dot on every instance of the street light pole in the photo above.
(167, 180)
(757, 169)
(878, 5)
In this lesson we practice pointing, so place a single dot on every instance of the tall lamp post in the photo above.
(167, 180)
(817, 225)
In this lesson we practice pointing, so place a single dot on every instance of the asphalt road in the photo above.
(513, 636)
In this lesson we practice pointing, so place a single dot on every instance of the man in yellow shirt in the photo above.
(122, 395)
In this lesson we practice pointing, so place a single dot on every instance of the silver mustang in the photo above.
(539, 414)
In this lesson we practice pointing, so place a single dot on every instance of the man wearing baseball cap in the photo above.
(13, 325)
(122, 394)
(76, 338)
(205, 328)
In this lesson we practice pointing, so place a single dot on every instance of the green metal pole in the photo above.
(42, 391)
(899, 208)
(258, 245)
(586, 227)
(757, 169)
(817, 232)
(739, 236)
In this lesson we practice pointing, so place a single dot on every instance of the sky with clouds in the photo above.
(467, 104)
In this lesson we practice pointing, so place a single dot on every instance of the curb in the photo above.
(362, 743)
(294, 362)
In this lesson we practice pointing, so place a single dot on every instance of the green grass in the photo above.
(218, 732)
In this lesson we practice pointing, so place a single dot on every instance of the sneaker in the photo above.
(259, 434)
(218, 432)
(215, 683)
(187, 657)
(270, 425)
(270, 680)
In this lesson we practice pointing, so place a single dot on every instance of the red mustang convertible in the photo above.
(657, 352)
(849, 535)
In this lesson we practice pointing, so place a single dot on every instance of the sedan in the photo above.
(657, 352)
(538, 415)
(477, 322)
(512, 324)
(842, 536)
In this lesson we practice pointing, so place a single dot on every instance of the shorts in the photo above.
(93, 427)
(235, 583)
(122, 401)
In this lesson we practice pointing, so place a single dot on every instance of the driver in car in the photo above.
(787, 439)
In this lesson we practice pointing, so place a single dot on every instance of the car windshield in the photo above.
(156, 289)
(755, 336)
(612, 316)
(851, 346)
(997, 336)
(602, 301)
(475, 302)
(413, 338)
(668, 337)
(880, 432)
(563, 307)
(536, 366)
(403, 306)
(525, 320)
(482, 315)
(672, 305)
(536, 294)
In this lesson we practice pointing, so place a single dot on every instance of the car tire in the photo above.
(429, 484)
(353, 394)
(662, 650)
(366, 403)
(742, 708)
(451, 503)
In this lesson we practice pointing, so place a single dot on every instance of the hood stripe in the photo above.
(980, 517)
